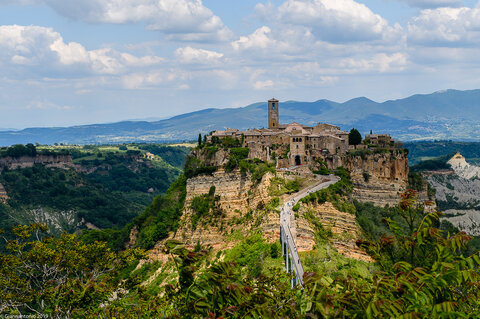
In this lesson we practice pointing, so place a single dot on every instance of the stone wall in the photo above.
(378, 178)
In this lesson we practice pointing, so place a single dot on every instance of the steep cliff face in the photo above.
(343, 227)
(240, 201)
(59, 161)
(239, 207)
(378, 178)
(242, 205)
(462, 168)
(211, 156)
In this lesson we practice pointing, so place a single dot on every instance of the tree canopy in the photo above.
(354, 137)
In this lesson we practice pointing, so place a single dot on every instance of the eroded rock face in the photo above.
(343, 226)
(133, 237)
(378, 178)
(458, 198)
(3, 194)
(240, 201)
(59, 161)
(236, 190)
(462, 168)
(211, 158)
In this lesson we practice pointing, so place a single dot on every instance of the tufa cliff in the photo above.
(379, 178)
(222, 207)
(58, 161)
(342, 226)
(236, 205)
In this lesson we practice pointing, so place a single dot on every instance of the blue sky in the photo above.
(94, 61)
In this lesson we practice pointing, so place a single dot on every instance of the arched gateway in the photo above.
(298, 160)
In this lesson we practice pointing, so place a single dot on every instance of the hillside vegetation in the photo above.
(420, 271)
(421, 267)
(421, 151)
(107, 188)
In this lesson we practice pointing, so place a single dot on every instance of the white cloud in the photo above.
(335, 21)
(184, 20)
(260, 38)
(445, 27)
(201, 56)
(263, 85)
(433, 3)
(281, 43)
(43, 51)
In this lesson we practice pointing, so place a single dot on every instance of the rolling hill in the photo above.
(449, 114)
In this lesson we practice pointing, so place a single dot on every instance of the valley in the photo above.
(457, 190)
(90, 187)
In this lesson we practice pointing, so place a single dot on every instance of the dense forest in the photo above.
(419, 151)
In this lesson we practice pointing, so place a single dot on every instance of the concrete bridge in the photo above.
(288, 229)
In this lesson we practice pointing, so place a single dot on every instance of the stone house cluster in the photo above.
(292, 144)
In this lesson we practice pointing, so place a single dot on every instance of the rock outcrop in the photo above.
(378, 178)
(241, 202)
(133, 236)
(237, 191)
(212, 156)
(59, 161)
(458, 193)
(3, 194)
(462, 168)
(343, 226)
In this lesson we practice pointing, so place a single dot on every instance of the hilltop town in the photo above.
(295, 144)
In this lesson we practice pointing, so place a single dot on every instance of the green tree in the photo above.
(199, 139)
(59, 277)
(424, 273)
(354, 137)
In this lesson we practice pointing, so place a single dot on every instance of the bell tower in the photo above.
(273, 114)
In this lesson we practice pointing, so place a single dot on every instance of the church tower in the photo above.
(272, 114)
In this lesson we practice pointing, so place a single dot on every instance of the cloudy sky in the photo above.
(69, 62)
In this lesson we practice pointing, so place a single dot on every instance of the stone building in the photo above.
(382, 140)
(293, 144)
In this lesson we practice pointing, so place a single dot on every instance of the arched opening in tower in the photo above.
(298, 160)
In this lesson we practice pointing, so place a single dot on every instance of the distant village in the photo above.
(297, 144)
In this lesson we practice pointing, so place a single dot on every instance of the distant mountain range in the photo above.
(449, 114)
